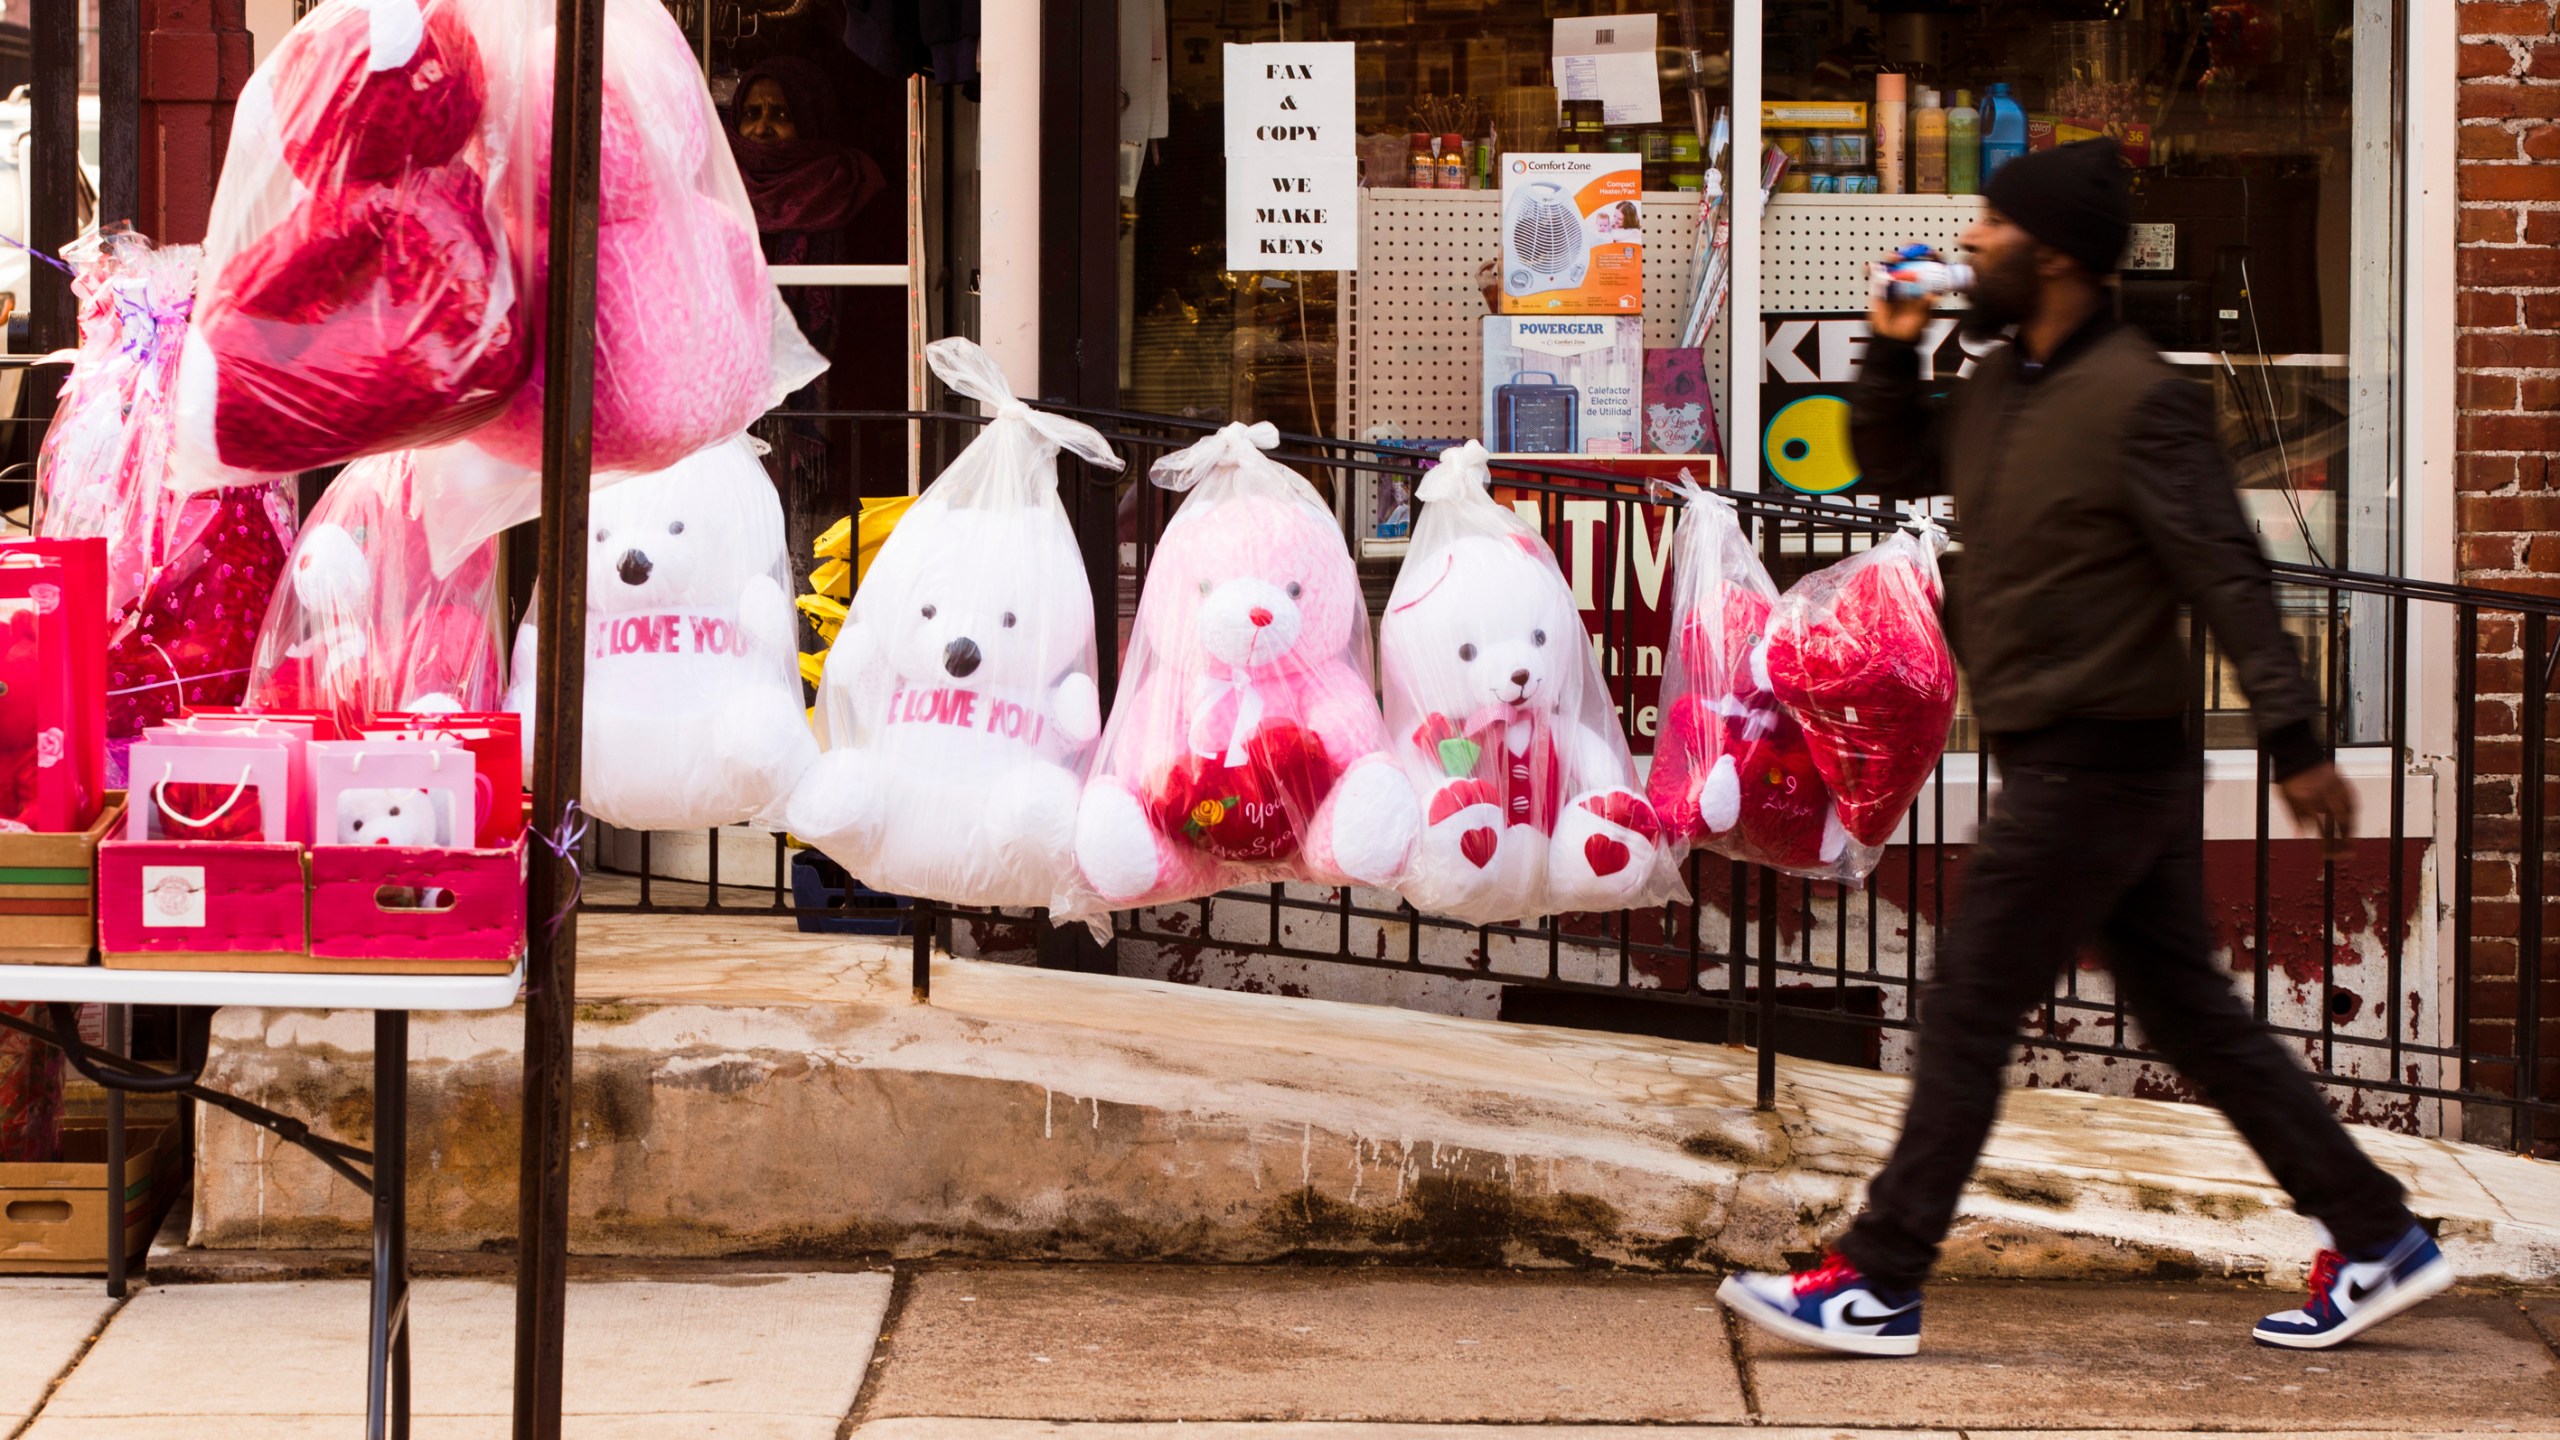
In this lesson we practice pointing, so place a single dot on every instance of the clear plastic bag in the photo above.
(693, 342)
(1503, 723)
(693, 699)
(362, 625)
(1731, 769)
(958, 708)
(363, 292)
(187, 643)
(104, 468)
(1855, 653)
(1245, 743)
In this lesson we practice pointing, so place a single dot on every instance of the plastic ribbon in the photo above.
(40, 255)
(563, 841)
(1462, 470)
(971, 371)
(1231, 446)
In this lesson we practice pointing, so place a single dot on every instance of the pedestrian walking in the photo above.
(2095, 503)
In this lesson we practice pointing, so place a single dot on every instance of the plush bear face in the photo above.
(387, 816)
(1251, 581)
(689, 535)
(331, 576)
(1491, 624)
(981, 599)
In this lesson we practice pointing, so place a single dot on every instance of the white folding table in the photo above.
(381, 1172)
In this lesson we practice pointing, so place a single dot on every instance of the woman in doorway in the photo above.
(806, 184)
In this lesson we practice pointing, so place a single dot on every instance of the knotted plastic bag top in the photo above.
(958, 707)
(1503, 724)
(1245, 743)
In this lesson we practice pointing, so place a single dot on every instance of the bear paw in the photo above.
(1115, 845)
(832, 807)
(1603, 851)
(1720, 797)
(1373, 823)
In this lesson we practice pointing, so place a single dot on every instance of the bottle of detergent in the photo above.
(2004, 130)
(1964, 146)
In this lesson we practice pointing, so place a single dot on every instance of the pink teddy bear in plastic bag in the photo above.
(1246, 743)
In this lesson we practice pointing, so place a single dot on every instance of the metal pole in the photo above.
(568, 360)
(54, 188)
(1768, 1056)
(119, 1153)
(119, 112)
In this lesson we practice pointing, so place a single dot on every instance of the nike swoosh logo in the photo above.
(2358, 1291)
(1850, 1314)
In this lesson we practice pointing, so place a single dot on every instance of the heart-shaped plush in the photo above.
(1478, 845)
(1785, 805)
(1607, 855)
(1864, 668)
(1255, 811)
(1623, 809)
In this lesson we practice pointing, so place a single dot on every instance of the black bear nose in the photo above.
(1519, 677)
(960, 657)
(634, 568)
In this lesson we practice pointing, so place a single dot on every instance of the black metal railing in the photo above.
(2410, 976)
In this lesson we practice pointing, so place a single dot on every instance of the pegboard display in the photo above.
(1412, 315)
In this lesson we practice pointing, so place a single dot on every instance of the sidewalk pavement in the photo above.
(1155, 1352)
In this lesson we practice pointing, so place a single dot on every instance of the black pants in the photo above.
(2070, 855)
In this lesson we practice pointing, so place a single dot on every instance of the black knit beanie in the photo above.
(2072, 197)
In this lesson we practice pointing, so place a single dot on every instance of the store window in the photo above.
(2263, 135)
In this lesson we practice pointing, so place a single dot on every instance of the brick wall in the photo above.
(2509, 479)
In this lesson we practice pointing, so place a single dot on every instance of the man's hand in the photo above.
(2320, 798)
(1903, 320)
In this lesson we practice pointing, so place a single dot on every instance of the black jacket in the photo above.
(2095, 501)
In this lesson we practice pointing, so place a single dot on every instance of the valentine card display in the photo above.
(958, 705)
(693, 706)
(1245, 743)
(693, 341)
(1503, 724)
(1856, 655)
(1731, 769)
(105, 462)
(363, 625)
(363, 292)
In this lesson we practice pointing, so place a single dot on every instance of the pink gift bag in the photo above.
(200, 786)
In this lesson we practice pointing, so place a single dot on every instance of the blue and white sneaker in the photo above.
(2349, 1297)
(1833, 1308)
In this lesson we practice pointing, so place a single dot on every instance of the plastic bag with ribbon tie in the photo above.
(1245, 744)
(957, 708)
(1503, 723)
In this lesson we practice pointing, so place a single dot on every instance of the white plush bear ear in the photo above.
(396, 27)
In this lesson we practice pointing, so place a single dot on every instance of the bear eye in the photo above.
(1537, 637)
(675, 527)
(928, 612)
(1293, 589)
(359, 824)
(1466, 652)
(600, 536)
(1008, 619)
(395, 809)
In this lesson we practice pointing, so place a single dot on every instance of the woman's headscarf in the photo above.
(808, 185)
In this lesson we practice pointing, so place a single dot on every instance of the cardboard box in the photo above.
(53, 1218)
(1563, 384)
(321, 910)
(1572, 234)
(48, 892)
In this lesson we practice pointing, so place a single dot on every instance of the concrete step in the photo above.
(746, 1090)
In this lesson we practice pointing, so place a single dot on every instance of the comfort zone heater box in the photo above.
(1572, 237)
(1563, 384)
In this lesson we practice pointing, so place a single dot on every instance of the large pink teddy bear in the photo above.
(1246, 743)
(361, 298)
(692, 341)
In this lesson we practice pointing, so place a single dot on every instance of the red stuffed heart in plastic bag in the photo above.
(189, 643)
(1856, 655)
(1254, 811)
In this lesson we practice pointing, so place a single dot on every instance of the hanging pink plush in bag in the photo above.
(1856, 655)
(363, 625)
(1731, 769)
(363, 294)
(1504, 724)
(1246, 743)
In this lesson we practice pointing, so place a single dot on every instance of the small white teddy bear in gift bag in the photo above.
(958, 706)
(693, 710)
(1504, 724)
(386, 816)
